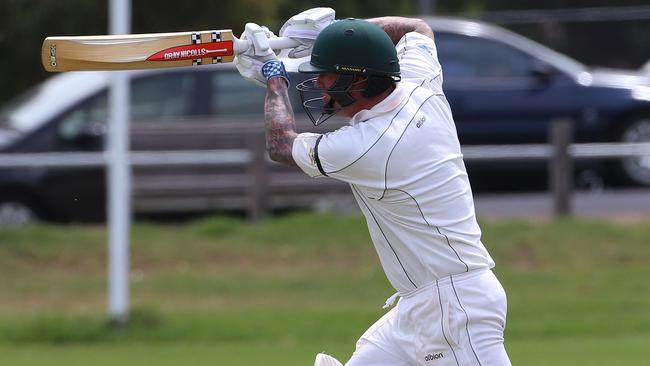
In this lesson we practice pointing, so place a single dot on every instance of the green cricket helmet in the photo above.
(349, 48)
(353, 46)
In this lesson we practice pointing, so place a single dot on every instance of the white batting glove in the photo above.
(305, 27)
(249, 64)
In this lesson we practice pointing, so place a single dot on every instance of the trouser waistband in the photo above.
(441, 282)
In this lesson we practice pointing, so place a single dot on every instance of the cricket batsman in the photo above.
(401, 156)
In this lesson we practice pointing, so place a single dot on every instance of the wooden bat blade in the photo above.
(137, 51)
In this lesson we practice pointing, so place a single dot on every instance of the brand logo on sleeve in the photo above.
(312, 156)
(433, 356)
(420, 121)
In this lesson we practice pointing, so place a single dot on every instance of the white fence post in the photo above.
(560, 166)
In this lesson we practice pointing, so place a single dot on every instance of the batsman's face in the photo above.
(325, 81)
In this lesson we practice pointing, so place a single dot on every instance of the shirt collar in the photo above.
(392, 101)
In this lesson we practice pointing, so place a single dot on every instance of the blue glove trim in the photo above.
(274, 68)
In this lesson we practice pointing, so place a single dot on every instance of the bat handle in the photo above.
(279, 43)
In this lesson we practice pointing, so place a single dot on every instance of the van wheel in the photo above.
(636, 169)
(15, 212)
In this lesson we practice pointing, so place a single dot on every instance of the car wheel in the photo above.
(636, 169)
(16, 213)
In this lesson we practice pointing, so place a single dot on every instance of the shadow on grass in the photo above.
(81, 329)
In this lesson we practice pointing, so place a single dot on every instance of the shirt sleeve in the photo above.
(304, 153)
(337, 154)
(418, 60)
(327, 154)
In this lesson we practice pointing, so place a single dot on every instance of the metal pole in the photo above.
(119, 176)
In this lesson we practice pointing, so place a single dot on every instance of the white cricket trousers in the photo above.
(456, 321)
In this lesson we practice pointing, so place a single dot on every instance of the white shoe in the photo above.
(326, 360)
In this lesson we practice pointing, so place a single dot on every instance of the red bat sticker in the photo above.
(193, 51)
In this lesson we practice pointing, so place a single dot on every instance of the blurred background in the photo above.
(511, 70)
(616, 36)
(236, 260)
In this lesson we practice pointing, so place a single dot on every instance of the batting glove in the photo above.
(305, 27)
(250, 63)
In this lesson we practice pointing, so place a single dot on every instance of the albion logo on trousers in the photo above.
(433, 356)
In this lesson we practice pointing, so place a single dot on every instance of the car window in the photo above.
(152, 97)
(234, 95)
(91, 111)
(163, 95)
(170, 95)
(466, 57)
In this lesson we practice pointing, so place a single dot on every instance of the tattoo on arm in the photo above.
(279, 122)
(397, 27)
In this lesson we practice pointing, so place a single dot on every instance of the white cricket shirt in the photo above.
(403, 161)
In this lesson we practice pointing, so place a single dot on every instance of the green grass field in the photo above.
(220, 291)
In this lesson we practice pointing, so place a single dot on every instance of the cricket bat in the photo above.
(143, 51)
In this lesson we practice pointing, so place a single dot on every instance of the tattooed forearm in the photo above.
(279, 122)
(397, 27)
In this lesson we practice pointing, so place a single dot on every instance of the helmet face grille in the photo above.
(313, 97)
(353, 46)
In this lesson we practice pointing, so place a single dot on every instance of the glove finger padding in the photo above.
(258, 40)
(305, 27)
(303, 50)
(249, 64)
